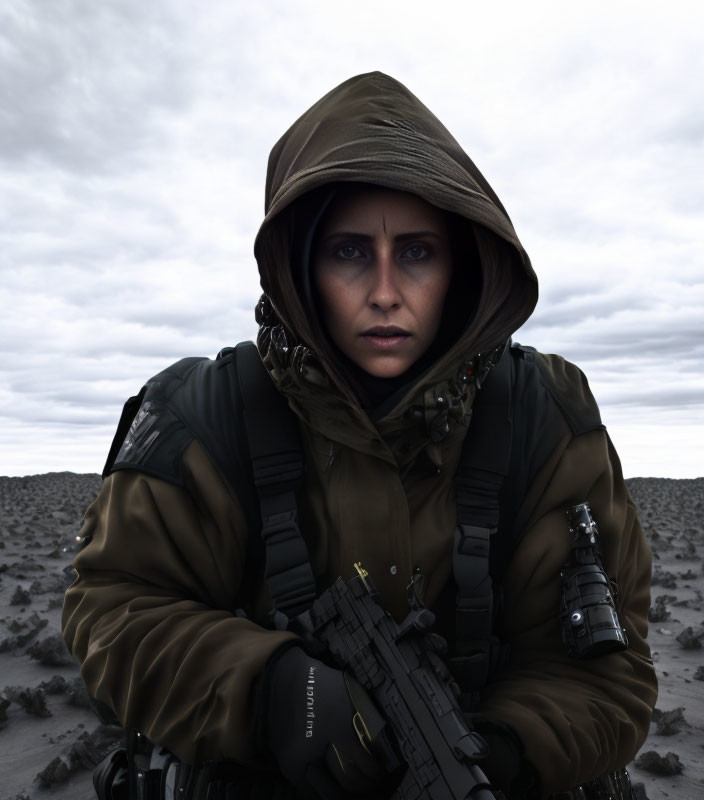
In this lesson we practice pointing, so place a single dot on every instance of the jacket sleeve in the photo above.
(576, 718)
(151, 618)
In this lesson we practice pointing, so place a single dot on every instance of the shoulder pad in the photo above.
(195, 398)
(150, 436)
(565, 383)
(570, 390)
(549, 398)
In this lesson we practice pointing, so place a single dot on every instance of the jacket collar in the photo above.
(432, 411)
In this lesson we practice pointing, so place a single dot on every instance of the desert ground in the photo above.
(50, 739)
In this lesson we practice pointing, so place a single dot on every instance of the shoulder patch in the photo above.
(140, 437)
(195, 398)
(151, 436)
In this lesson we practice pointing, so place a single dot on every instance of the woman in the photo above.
(392, 281)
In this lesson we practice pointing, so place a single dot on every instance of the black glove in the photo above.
(321, 726)
(505, 765)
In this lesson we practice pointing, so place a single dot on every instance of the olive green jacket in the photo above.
(151, 615)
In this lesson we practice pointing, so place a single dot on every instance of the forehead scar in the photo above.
(383, 222)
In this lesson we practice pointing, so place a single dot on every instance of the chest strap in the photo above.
(277, 465)
(484, 464)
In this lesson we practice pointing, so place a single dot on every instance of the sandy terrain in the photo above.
(49, 739)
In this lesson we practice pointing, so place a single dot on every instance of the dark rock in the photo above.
(51, 651)
(23, 638)
(84, 753)
(31, 626)
(669, 723)
(90, 749)
(35, 622)
(4, 704)
(105, 737)
(699, 674)
(689, 575)
(20, 597)
(20, 569)
(690, 551)
(33, 701)
(50, 583)
(666, 598)
(57, 684)
(668, 581)
(56, 772)
(78, 694)
(639, 791)
(651, 761)
(691, 638)
(659, 612)
(74, 689)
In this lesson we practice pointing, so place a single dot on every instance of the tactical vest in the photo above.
(231, 407)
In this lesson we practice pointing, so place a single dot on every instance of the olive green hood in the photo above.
(371, 129)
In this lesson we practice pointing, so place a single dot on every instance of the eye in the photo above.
(348, 252)
(416, 252)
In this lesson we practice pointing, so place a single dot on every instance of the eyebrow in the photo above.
(365, 237)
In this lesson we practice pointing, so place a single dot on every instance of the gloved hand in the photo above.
(319, 735)
(505, 764)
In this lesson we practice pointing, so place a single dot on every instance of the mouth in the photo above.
(386, 337)
(385, 331)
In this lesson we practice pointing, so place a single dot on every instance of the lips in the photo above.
(386, 337)
(385, 332)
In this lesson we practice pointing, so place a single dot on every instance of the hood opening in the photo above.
(461, 301)
(372, 130)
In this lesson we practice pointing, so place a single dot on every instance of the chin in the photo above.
(384, 370)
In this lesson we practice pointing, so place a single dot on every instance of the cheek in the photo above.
(332, 301)
(433, 297)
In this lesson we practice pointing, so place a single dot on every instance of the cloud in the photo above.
(85, 83)
(133, 143)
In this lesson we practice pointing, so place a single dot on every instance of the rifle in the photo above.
(398, 666)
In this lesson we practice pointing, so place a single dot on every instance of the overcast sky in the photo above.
(133, 144)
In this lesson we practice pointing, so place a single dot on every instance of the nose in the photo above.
(385, 293)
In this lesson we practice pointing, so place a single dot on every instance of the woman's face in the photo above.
(382, 266)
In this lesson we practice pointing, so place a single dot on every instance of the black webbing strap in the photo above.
(483, 466)
(277, 466)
